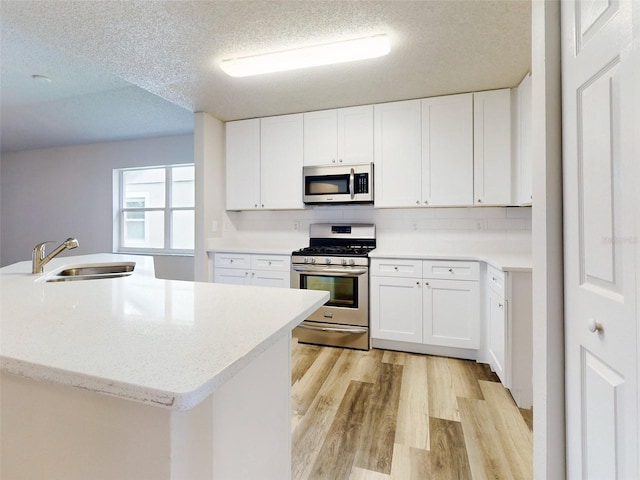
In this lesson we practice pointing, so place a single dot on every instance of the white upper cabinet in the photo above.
(524, 157)
(492, 147)
(338, 136)
(447, 150)
(264, 163)
(281, 162)
(397, 146)
(243, 164)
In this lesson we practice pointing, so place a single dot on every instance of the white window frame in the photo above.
(168, 209)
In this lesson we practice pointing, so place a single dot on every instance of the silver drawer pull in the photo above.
(338, 330)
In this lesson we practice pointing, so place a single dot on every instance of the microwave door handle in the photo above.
(352, 179)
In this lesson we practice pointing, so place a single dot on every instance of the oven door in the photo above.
(348, 288)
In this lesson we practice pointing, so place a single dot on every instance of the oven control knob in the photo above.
(313, 259)
(327, 261)
(344, 261)
(352, 262)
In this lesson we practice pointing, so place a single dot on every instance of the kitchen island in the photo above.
(141, 378)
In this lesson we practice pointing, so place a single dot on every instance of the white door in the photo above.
(397, 154)
(243, 164)
(599, 162)
(447, 150)
(355, 134)
(281, 153)
(320, 137)
(270, 278)
(492, 147)
(497, 334)
(396, 309)
(232, 276)
(451, 310)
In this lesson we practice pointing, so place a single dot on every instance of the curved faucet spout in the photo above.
(39, 260)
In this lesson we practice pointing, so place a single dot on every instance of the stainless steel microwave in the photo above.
(338, 184)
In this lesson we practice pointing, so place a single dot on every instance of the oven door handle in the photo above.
(332, 271)
(334, 329)
(352, 184)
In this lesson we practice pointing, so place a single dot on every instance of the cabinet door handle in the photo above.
(451, 270)
(426, 283)
(255, 205)
(417, 202)
(418, 283)
(269, 262)
(231, 261)
(500, 305)
(426, 202)
(594, 326)
(479, 200)
(395, 268)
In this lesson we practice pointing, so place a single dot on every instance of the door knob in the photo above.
(594, 326)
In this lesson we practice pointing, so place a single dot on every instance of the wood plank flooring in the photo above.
(382, 415)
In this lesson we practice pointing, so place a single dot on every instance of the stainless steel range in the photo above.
(337, 261)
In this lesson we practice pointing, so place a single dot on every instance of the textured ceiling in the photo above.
(106, 58)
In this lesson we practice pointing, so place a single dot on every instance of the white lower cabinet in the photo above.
(497, 333)
(508, 343)
(396, 308)
(252, 269)
(426, 302)
(451, 313)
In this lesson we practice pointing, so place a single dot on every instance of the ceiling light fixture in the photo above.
(329, 53)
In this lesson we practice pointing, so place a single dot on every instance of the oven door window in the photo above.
(343, 291)
(326, 185)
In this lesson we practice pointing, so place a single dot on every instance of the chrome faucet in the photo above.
(39, 260)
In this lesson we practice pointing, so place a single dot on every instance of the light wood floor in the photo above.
(387, 415)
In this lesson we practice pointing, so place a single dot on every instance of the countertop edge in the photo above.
(146, 395)
(488, 258)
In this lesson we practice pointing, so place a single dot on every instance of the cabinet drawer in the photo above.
(451, 270)
(495, 279)
(392, 267)
(233, 260)
(281, 263)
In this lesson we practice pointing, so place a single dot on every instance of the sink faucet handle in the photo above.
(40, 247)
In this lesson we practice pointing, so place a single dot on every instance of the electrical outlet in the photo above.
(414, 226)
(479, 225)
(214, 226)
(296, 225)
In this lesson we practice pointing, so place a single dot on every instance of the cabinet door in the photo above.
(447, 150)
(396, 309)
(233, 276)
(281, 154)
(270, 278)
(320, 137)
(492, 147)
(243, 164)
(524, 157)
(451, 313)
(397, 154)
(497, 335)
(355, 134)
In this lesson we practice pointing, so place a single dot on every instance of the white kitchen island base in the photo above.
(242, 431)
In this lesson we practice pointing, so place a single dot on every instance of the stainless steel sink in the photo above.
(92, 272)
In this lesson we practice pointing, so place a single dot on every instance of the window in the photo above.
(155, 209)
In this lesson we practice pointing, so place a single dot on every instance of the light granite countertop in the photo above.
(160, 342)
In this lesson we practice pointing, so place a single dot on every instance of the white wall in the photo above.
(210, 186)
(55, 193)
(484, 227)
(548, 304)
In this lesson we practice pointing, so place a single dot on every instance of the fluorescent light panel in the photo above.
(330, 53)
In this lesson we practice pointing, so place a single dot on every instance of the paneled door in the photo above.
(600, 212)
